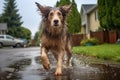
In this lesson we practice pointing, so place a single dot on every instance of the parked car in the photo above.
(7, 40)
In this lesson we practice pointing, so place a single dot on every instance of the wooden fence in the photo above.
(102, 36)
(105, 36)
(77, 38)
(99, 35)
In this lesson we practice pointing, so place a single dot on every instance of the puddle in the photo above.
(11, 72)
(31, 69)
(9, 76)
(19, 65)
(107, 72)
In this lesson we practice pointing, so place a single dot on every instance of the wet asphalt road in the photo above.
(25, 64)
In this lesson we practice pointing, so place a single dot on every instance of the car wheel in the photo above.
(18, 45)
(1, 45)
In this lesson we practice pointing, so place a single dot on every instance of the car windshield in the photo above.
(9, 37)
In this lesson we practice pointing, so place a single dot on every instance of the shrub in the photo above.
(92, 41)
(84, 41)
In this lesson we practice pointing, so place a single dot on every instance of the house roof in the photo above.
(88, 7)
(3, 26)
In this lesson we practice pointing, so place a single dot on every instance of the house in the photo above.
(3, 28)
(89, 18)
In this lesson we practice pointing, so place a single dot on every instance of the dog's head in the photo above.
(55, 16)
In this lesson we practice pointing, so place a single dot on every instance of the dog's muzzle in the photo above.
(56, 22)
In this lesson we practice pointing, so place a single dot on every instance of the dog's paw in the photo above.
(45, 62)
(58, 72)
(46, 66)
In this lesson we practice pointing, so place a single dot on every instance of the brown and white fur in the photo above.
(55, 36)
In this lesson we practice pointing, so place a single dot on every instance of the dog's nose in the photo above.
(56, 21)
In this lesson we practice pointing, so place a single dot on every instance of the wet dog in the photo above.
(55, 37)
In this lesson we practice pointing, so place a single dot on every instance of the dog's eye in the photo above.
(59, 13)
(51, 14)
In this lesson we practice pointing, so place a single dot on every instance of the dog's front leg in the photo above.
(44, 58)
(59, 64)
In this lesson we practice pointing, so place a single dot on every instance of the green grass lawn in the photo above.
(104, 51)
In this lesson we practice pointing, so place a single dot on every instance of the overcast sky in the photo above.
(30, 15)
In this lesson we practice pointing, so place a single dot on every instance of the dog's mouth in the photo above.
(56, 25)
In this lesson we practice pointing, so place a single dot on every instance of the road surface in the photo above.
(25, 64)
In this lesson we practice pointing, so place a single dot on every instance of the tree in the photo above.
(116, 15)
(108, 13)
(57, 3)
(102, 13)
(23, 32)
(73, 20)
(0, 18)
(11, 17)
(109, 7)
(38, 35)
(63, 2)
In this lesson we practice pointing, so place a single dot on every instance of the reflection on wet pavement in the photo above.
(30, 68)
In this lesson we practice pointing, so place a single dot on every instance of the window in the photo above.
(1, 36)
(96, 15)
(9, 37)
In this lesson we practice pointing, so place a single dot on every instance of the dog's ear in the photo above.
(67, 8)
(43, 9)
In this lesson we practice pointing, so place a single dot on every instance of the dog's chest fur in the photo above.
(53, 41)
